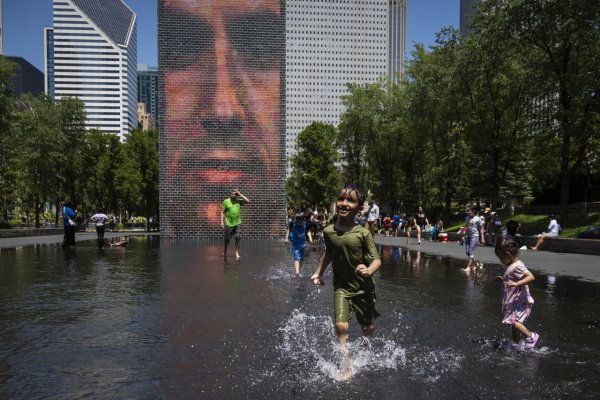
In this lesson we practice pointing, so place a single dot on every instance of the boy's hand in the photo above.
(317, 280)
(512, 284)
(498, 278)
(362, 270)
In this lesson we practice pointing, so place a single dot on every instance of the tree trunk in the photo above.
(36, 205)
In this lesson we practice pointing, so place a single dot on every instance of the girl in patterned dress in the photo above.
(516, 298)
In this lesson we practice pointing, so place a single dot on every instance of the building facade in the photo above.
(330, 44)
(49, 61)
(145, 119)
(147, 88)
(1, 31)
(94, 58)
(396, 38)
(27, 78)
(467, 10)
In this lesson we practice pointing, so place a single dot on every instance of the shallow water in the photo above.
(162, 319)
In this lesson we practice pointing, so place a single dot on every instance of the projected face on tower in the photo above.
(222, 63)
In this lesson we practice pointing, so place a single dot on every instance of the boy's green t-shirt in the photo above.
(232, 212)
(348, 250)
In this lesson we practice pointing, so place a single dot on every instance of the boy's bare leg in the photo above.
(341, 329)
(297, 265)
(237, 248)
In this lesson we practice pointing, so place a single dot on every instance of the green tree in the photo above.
(494, 81)
(7, 139)
(437, 145)
(563, 38)
(72, 116)
(352, 139)
(41, 151)
(137, 180)
(102, 159)
(315, 178)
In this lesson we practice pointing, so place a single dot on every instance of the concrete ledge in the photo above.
(578, 246)
(558, 245)
(12, 233)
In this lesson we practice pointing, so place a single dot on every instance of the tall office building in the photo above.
(49, 61)
(396, 38)
(27, 78)
(147, 89)
(329, 44)
(467, 10)
(95, 59)
(1, 31)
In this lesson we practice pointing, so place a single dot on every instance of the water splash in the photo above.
(309, 354)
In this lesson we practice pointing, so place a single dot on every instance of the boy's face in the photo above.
(347, 203)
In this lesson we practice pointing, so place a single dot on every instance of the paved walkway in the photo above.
(580, 266)
(12, 243)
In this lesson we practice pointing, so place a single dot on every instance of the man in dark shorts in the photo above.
(231, 225)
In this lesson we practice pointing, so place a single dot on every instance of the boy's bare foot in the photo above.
(347, 370)
(237, 256)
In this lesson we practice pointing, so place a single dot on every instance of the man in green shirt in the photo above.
(231, 225)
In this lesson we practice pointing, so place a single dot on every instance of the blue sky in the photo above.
(24, 22)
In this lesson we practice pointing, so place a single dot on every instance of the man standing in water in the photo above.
(351, 250)
(231, 225)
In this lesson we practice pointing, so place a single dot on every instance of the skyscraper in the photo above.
(396, 38)
(49, 61)
(27, 78)
(147, 89)
(1, 33)
(94, 59)
(329, 44)
(1, 28)
(467, 9)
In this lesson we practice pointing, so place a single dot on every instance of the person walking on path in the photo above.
(421, 222)
(297, 233)
(474, 236)
(351, 250)
(516, 297)
(372, 216)
(100, 220)
(231, 220)
(68, 216)
(552, 231)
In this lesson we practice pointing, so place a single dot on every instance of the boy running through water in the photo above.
(351, 250)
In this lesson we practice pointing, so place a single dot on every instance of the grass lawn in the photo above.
(534, 224)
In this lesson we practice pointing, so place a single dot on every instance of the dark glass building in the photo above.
(27, 79)
(147, 89)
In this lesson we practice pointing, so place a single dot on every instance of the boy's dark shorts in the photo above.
(361, 303)
(232, 232)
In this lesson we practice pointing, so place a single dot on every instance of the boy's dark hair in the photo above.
(507, 245)
(474, 209)
(360, 193)
(511, 227)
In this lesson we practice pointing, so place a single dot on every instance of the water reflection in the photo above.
(171, 319)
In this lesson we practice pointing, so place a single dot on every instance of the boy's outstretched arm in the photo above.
(365, 271)
(321, 266)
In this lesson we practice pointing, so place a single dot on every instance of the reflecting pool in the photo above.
(173, 319)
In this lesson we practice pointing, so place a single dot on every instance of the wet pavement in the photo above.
(174, 320)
